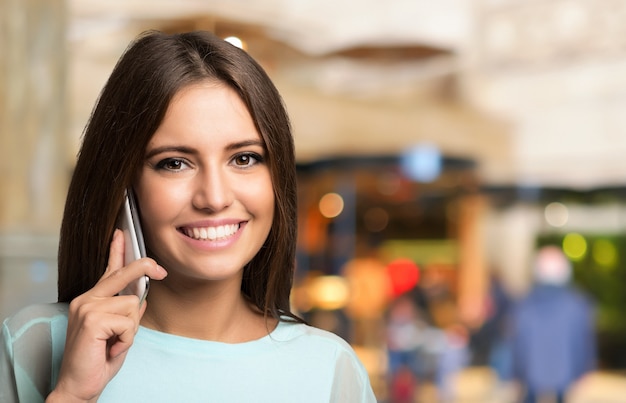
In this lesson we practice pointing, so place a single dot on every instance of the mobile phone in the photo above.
(134, 247)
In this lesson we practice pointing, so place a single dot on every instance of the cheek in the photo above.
(158, 205)
(262, 196)
(157, 200)
(153, 211)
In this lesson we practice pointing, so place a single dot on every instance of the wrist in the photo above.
(57, 396)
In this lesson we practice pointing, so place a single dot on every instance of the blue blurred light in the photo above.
(421, 163)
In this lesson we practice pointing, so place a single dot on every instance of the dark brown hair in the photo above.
(129, 110)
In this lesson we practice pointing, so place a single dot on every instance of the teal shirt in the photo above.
(294, 363)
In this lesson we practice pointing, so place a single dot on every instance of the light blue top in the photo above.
(294, 363)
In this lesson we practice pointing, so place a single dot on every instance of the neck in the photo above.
(211, 311)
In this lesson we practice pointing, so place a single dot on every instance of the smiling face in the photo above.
(205, 191)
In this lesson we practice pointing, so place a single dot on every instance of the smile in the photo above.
(211, 233)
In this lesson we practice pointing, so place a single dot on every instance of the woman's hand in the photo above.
(101, 327)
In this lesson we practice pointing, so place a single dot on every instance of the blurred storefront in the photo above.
(433, 158)
(390, 226)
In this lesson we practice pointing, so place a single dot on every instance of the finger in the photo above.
(117, 331)
(116, 252)
(113, 282)
(121, 342)
(119, 346)
(89, 310)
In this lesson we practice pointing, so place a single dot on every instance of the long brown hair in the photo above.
(130, 108)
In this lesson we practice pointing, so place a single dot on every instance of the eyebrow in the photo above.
(190, 150)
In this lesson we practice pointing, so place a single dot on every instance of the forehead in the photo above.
(207, 95)
(206, 110)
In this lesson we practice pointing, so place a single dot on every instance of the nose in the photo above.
(213, 190)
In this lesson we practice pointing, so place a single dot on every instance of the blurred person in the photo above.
(553, 331)
(403, 328)
(195, 126)
(411, 343)
(491, 343)
(499, 321)
(454, 356)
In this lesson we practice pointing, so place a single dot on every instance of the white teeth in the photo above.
(211, 233)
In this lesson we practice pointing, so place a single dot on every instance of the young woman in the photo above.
(196, 128)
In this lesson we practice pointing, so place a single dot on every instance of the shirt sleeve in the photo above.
(8, 387)
(30, 352)
(351, 381)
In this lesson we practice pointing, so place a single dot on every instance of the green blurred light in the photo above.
(604, 253)
(574, 246)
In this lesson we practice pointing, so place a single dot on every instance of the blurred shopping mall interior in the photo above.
(439, 144)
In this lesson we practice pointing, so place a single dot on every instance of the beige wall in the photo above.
(33, 171)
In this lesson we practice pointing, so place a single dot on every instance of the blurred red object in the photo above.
(403, 274)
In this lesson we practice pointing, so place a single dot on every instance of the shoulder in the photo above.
(33, 315)
(336, 358)
(31, 348)
(318, 342)
(581, 301)
(310, 335)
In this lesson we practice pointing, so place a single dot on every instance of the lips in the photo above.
(211, 233)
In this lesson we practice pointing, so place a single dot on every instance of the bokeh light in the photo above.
(329, 292)
(422, 163)
(575, 246)
(376, 219)
(235, 41)
(604, 253)
(403, 274)
(556, 214)
(331, 205)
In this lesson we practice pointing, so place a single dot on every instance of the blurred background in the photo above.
(439, 144)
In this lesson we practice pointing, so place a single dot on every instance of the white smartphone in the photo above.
(134, 247)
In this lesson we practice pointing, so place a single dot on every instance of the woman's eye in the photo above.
(171, 164)
(247, 159)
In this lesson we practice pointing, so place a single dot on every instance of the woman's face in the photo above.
(205, 191)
